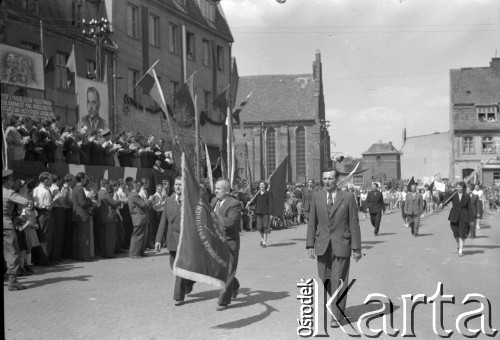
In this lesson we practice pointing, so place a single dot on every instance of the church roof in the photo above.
(278, 97)
(381, 148)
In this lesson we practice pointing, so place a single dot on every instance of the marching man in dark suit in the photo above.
(227, 210)
(414, 206)
(333, 233)
(476, 210)
(376, 206)
(139, 212)
(171, 223)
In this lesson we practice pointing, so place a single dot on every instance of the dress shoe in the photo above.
(220, 308)
(29, 269)
(14, 284)
(179, 302)
(234, 295)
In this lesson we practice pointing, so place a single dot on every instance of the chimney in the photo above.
(495, 66)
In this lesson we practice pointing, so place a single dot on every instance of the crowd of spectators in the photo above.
(44, 141)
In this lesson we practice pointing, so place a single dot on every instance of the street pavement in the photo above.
(128, 298)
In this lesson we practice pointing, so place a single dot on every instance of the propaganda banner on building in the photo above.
(26, 106)
(21, 67)
(93, 104)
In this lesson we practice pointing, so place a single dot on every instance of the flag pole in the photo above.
(197, 136)
(149, 69)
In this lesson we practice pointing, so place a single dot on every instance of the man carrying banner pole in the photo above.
(228, 213)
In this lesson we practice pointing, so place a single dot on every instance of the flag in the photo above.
(71, 63)
(49, 65)
(221, 101)
(236, 114)
(431, 186)
(5, 158)
(440, 186)
(346, 180)
(150, 84)
(249, 173)
(223, 167)
(277, 187)
(410, 183)
(202, 253)
(234, 83)
(233, 164)
(209, 169)
(185, 96)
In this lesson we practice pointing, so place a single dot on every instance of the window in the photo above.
(206, 52)
(300, 152)
(468, 145)
(174, 87)
(487, 114)
(30, 5)
(488, 145)
(154, 30)
(207, 9)
(220, 58)
(173, 45)
(62, 79)
(30, 46)
(190, 46)
(271, 150)
(132, 21)
(496, 175)
(91, 74)
(76, 13)
(133, 78)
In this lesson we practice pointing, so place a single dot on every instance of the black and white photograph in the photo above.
(250, 169)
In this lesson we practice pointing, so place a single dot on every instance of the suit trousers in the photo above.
(46, 223)
(375, 219)
(138, 240)
(108, 239)
(180, 283)
(68, 246)
(59, 230)
(334, 269)
(414, 221)
(10, 251)
(232, 283)
(82, 240)
(127, 225)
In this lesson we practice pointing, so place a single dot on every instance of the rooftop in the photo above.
(381, 148)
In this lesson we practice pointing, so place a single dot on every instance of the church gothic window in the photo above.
(300, 153)
(271, 150)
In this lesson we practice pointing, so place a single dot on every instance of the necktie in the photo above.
(217, 207)
(330, 200)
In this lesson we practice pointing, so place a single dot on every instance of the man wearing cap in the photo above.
(10, 245)
(93, 120)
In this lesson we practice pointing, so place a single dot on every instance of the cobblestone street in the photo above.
(132, 298)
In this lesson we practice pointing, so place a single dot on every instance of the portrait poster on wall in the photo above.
(93, 104)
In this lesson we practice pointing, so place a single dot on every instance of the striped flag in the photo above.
(149, 82)
(71, 63)
(236, 114)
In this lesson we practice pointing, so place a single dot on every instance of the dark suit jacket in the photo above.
(460, 209)
(81, 205)
(307, 195)
(264, 203)
(375, 202)
(71, 151)
(171, 222)
(229, 217)
(138, 208)
(414, 204)
(107, 205)
(101, 123)
(476, 207)
(96, 154)
(341, 228)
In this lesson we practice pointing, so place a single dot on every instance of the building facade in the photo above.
(284, 116)
(426, 155)
(383, 162)
(475, 121)
(51, 29)
(187, 37)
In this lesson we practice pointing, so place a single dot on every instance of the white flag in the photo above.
(71, 63)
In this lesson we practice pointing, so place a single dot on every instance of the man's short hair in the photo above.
(265, 183)
(94, 90)
(68, 178)
(129, 179)
(462, 184)
(178, 178)
(136, 185)
(104, 183)
(79, 176)
(226, 183)
(43, 176)
(144, 181)
(375, 184)
(337, 173)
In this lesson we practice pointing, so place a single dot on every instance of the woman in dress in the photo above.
(459, 216)
(15, 142)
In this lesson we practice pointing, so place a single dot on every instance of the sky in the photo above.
(386, 63)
